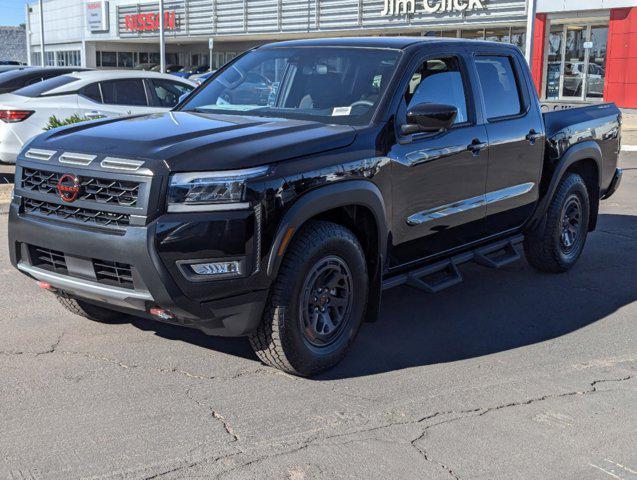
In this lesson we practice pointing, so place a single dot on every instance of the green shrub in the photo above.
(55, 122)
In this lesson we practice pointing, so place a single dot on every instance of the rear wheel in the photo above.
(317, 302)
(557, 247)
(87, 310)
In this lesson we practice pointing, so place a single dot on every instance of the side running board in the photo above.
(439, 276)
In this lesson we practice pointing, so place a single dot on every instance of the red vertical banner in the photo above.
(539, 43)
(620, 84)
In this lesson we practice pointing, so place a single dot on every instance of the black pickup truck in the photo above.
(281, 209)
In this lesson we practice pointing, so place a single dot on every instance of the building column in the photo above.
(539, 40)
(621, 58)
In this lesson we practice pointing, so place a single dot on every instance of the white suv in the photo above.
(88, 95)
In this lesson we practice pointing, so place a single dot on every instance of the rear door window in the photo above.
(124, 92)
(93, 92)
(499, 86)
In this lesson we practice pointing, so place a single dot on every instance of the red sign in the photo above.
(149, 22)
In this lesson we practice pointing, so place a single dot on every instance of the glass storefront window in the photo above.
(574, 61)
(125, 59)
(554, 61)
(68, 58)
(473, 34)
(497, 35)
(518, 37)
(109, 59)
(576, 66)
(597, 62)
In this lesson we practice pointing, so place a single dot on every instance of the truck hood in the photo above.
(187, 141)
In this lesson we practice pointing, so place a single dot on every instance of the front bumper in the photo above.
(223, 307)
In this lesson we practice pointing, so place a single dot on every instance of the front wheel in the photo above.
(557, 247)
(317, 302)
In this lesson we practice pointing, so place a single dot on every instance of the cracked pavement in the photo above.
(510, 375)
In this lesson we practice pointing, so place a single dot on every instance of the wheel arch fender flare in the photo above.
(342, 194)
(588, 150)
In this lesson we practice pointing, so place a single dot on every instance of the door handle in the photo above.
(94, 115)
(477, 146)
(533, 136)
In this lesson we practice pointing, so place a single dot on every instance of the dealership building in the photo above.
(583, 50)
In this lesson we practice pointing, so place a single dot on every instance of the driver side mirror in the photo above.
(429, 117)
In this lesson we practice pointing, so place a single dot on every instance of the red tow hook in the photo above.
(46, 286)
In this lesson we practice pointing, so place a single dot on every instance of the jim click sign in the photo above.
(149, 22)
(404, 7)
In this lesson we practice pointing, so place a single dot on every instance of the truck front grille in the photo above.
(99, 190)
(82, 216)
(113, 273)
(48, 259)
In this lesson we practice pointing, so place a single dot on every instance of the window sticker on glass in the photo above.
(341, 111)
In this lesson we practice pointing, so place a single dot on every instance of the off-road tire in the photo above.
(280, 340)
(86, 310)
(543, 247)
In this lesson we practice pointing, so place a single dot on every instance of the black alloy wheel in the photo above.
(571, 225)
(326, 302)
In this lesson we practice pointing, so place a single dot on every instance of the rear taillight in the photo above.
(15, 116)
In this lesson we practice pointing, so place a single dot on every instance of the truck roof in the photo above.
(398, 43)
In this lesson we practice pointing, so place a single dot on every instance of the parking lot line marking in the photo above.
(629, 148)
(606, 471)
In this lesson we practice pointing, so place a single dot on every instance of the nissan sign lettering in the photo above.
(149, 22)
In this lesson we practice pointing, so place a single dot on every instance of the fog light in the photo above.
(217, 268)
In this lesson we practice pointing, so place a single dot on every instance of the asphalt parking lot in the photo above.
(511, 375)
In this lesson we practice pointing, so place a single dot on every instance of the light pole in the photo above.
(531, 6)
(162, 40)
(41, 35)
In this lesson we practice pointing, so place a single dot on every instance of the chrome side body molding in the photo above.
(469, 204)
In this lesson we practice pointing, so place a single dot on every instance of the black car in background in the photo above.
(186, 72)
(145, 66)
(15, 79)
(169, 68)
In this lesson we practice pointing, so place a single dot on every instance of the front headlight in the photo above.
(207, 191)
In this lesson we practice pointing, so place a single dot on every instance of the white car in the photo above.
(83, 95)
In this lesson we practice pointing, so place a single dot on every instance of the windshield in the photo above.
(326, 84)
